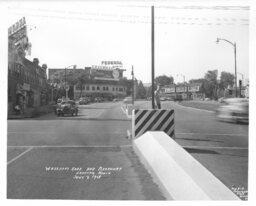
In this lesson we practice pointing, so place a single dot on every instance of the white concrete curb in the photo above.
(180, 176)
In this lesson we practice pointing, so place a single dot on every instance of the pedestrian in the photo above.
(157, 97)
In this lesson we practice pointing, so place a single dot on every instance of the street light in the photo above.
(234, 45)
(67, 88)
(132, 86)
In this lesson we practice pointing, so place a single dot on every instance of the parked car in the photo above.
(67, 107)
(98, 99)
(234, 110)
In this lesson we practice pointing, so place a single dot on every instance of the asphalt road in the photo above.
(222, 147)
(85, 157)
(62, 157)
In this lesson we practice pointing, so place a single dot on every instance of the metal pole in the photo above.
(65, 84)
(132, 86)
(52, 93)
(235, 70)
(153, 56)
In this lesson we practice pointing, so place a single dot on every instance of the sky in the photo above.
(85, 34)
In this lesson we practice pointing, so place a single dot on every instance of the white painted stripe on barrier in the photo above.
(150, 120)
(148, 123)
(166, 123)
(160, 120)
(180, 175)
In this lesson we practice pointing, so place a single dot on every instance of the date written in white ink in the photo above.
(88, 173)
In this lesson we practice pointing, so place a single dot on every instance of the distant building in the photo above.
(181, 91)
(104, 80)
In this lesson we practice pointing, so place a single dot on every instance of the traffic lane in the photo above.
(229, 165)
(199, 127)
(219, 146)
(96, 129)
(29, 178)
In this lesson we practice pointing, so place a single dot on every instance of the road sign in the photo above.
(66, 87)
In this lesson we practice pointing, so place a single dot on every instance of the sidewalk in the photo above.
(33, 112)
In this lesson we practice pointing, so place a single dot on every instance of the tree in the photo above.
(81, 80)
(226, 79)
(164, 80)
(211, 84)
(141, 93)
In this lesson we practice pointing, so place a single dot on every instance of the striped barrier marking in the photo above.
(152, 120)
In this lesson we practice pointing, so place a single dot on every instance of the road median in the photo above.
(180, 176)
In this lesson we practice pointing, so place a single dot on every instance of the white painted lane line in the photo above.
(129, 134)
(215, 148)
(30, 148)
(126, 113)
(212, 134)
(72, 146)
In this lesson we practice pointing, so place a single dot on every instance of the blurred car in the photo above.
(127, 100)
(67, 107)
(234, 110)
(83, 101)
(98, 99)
(59, 101)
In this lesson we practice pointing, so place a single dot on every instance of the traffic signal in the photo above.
(240, 83)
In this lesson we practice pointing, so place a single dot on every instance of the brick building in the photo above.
(26, 79)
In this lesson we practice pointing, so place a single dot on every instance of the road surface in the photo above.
(91, 157)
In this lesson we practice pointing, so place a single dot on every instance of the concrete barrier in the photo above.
(180, 176)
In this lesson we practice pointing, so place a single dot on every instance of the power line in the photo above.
(183, 20)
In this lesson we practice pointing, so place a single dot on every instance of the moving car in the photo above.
(83, 101)
(67, 107)
(127, 100)
(234, 110)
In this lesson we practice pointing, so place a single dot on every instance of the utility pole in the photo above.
(66, 84)
(132, 86)
(235, 68)
(153, 55)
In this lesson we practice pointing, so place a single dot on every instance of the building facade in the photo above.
(183, 91)
(104, 80)
(26, 79)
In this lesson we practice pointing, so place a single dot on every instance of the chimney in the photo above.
(36, 61)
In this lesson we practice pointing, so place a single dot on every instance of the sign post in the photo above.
(66, 88)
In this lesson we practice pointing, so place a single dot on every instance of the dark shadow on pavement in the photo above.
(200, 151)
(202, 140)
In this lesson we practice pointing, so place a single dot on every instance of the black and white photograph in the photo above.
(128, 101)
